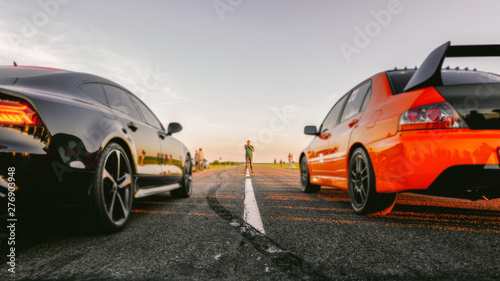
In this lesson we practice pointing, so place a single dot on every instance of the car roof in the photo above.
(27, 71)
(46, 77)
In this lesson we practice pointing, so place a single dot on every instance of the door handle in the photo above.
(353, 123)
(132, 126)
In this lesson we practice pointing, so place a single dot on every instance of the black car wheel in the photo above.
(305, 180)
(112, 190)
(187, 182)
(364, 197)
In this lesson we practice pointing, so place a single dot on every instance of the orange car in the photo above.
(432, 130)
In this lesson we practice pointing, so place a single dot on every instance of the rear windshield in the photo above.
(459, 77)
(399, 78)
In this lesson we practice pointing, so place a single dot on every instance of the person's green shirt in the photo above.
(249, 150)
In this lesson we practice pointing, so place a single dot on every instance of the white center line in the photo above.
(251, 214)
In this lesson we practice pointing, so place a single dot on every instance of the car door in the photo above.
(320, 157)
(173, 164)
(143, 136)
(340, 142)
(171, 153)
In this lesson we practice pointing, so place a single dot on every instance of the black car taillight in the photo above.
(14, 112)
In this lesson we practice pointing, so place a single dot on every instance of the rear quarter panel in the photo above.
(78, 127)
(380, 122)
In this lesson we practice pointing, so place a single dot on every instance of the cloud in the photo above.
(212, 126)
(70, 50)
(288, 108)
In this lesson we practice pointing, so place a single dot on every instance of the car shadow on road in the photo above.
(38, 223)
(420, 211)
(445, 216)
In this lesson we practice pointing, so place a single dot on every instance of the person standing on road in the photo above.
(201, 156)
(290, 159)
(249, 150)
(196, 160)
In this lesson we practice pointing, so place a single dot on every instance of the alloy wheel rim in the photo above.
(116, 183)
(360, 180)
(304, 173)
(189, 177)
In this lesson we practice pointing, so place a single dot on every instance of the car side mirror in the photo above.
(311, 130)
(173, 128)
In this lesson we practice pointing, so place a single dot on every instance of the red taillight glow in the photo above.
(423, 126)
(434, 114)
(449, 121)
(431, 116)
(16, 113)
(413, 115)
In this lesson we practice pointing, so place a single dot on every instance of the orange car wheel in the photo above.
(305, 179)
(364, 198)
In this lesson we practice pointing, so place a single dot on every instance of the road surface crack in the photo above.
(288, 262)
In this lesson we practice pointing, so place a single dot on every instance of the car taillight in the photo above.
(18, 113)
(432, 116)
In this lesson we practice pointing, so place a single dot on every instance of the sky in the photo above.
(236, 70)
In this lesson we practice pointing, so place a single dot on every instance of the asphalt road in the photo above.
(307, 237)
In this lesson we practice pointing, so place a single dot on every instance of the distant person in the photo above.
(143, 154)
(281, 163)
(274, 161)
(249, 150)
(201, 156)
(290, 159)
(196, 159)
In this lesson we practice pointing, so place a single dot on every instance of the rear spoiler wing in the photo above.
(429, 73)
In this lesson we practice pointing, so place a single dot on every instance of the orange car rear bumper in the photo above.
(414, 160)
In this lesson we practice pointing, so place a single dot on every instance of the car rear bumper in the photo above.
(443, 162)
(40, 178)
(467, 181)
(40, 173)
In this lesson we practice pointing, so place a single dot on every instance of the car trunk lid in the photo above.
(478, 104)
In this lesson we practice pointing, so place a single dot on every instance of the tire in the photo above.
(305, 179)
(362, 193)
(112, 191)
(187, 182)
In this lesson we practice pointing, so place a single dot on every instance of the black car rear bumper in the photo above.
(467, 182)
(48, 169)
(39, 178)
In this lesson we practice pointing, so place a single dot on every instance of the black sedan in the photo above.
(81, 140)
